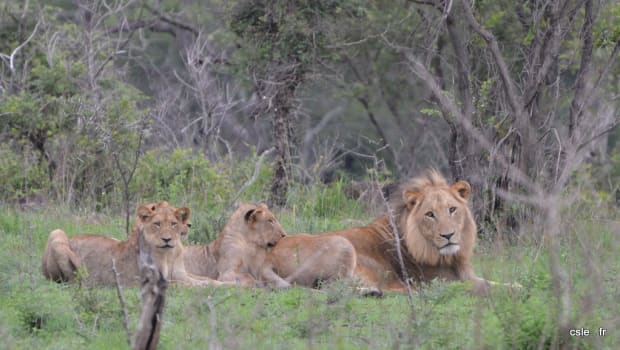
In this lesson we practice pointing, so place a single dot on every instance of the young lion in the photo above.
(159, 226)
(308, 260)
(238, 254)
(244, 253)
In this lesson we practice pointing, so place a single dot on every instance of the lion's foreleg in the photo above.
(180, 275)
(481, 286)
(273, 279)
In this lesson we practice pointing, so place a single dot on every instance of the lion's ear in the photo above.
(411, 198)
(249, 215)
(144, 212)
(183, 214)
(463, 188)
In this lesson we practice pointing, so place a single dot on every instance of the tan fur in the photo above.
(307, 260)
(239, 252)
(161, 226)
(427, 209)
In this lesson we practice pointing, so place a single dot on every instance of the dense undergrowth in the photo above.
(37, 314)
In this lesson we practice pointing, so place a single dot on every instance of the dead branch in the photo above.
(120, 48)
(397, 237)
(252, 179)
(153, 298)
(514, 98)
(579, 99)
(128, 176)
(121, 299)
(213, 343)
(11, 57)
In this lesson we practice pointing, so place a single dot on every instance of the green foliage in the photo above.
(607, 28)
(183, 177)
(180, 175)
(21, 174)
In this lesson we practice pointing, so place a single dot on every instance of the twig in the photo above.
(213, 343)
(120, 48)
(252, 179)
(11, 58)
(397, 238)
(121, 299)
(128, 177)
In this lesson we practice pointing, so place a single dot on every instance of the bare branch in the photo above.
(153, 296)
(579, 98)
(514, 98)
(172, 21)
(117, 50)
(448, 106)
(121, 299)
(252, 179)
(11, 58)
(213, 342)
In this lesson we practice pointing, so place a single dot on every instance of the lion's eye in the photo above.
(157, 224)
(174, 224)
(430, 214)
(271, 221)
(452, 209)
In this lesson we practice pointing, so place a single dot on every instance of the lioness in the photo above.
(437, 233)
(161, 227)
(238, 253)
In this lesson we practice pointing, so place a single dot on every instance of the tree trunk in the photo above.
(281, 173)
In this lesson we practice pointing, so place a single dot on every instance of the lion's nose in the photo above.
(447, 235)
(166, 240)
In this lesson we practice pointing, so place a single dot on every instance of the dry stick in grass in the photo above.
(213, 343)
(121, 299)
(395, 234)
(153, 298)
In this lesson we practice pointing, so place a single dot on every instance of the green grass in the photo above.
(37, 314)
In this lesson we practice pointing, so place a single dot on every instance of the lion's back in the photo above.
(313, 258)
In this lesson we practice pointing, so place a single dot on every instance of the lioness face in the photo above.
(163, 225)
(184, 229)
(439, 214)
(263, 228)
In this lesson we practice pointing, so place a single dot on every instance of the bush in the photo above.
(20, 174)
(185, 178)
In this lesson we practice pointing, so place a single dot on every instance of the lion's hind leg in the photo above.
(60, 262)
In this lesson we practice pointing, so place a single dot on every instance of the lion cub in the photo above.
(159, 226)
(253, 250)
(239, 252)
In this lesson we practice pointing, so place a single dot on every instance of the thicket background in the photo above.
(316, 107)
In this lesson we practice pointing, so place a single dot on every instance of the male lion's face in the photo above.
(262, 227)
(440, 215)
(163, 225)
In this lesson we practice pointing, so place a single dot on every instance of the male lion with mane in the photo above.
(160, 228)
(437, 233)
